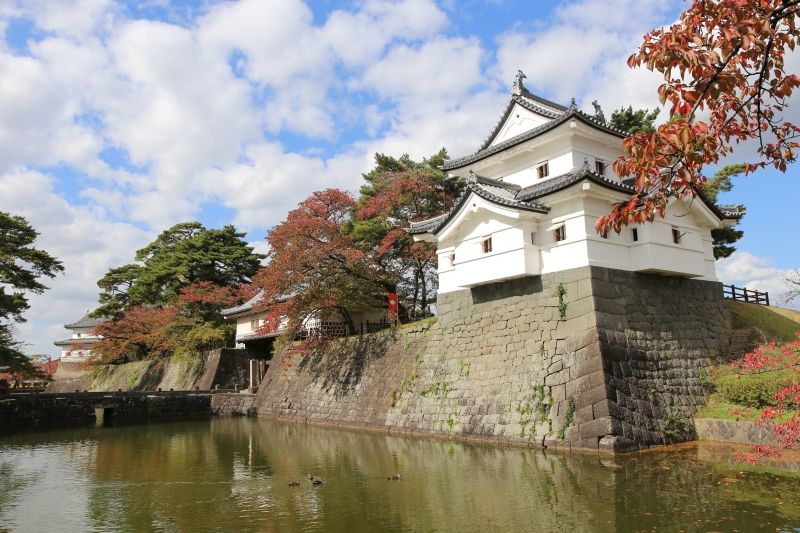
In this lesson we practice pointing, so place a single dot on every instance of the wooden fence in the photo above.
(742, 294)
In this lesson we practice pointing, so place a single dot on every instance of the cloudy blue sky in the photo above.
(119, 119)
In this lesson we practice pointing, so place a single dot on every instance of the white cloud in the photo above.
(359, 37)
(744, 269)
(72, 18)
(582, 53)
(445, 69)
(85, 241)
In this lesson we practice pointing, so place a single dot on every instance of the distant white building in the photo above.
(78, 347)
(252, 334)
(535, 189)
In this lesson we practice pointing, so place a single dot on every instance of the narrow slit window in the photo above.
(600, 167)
(560, 233)
(486, 245)
(635, 234)
(452, 258)
(676, 235)
(533, 237)
(543, 170)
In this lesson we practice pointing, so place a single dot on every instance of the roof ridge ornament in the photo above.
(518, 87)
(572, 105)
(472, 178)
(598, 112)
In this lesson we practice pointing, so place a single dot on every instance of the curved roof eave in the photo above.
(533, 133)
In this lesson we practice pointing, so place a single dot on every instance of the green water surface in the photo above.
(233, 475)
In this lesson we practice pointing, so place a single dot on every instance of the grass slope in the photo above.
(774, 322)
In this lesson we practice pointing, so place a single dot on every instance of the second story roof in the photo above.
(86, 322)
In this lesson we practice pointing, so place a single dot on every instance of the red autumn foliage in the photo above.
(784, 419)
(724, 61)
(317, 267)
(190, 322)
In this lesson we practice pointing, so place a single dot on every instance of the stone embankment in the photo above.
(225, 368)
(736, 431)
(51, 410)
(589, 358)
(232, 403)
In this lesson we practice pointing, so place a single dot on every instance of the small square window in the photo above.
(600, 167)
(543, 170)
(635, 234)
(676, 235)
(487, 245)
(560, 233)
(604, 235)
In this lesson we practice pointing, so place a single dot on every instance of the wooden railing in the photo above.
(742, 294)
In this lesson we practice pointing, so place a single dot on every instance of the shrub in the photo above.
(755, 390)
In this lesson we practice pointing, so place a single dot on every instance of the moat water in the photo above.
(233, 475)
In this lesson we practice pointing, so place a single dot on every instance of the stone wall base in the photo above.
(589, 358)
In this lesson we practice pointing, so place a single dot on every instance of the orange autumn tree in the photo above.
(317, 267)
(189, 324)
(725, 81)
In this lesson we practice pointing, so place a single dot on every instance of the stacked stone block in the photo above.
(587, 358)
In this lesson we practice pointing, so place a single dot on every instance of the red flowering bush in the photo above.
(782, 415)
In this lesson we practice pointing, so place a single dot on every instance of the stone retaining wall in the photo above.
(658, 335)
(28, 411)
(232, 403)
(737, 431)
(225, 367)
(587, 358)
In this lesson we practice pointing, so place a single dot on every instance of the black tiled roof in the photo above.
(243, 308)
(511, 195)
(86, 322)
(426, 226)
(250, 304)
(495, 191)
(71, 342)
(487, 151)
(563, 181)
(258, 336)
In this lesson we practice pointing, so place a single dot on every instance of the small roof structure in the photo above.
(248, 306)
(244, 308)
(86, 321)
(78, 341)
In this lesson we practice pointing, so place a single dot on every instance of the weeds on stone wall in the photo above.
(568, 419)
(132, 379)
(439, 389)
(464, 367)
(407, 385)
(534, 408)
(451, 423)
(674, 425)
(99, 375)
(561, 292)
